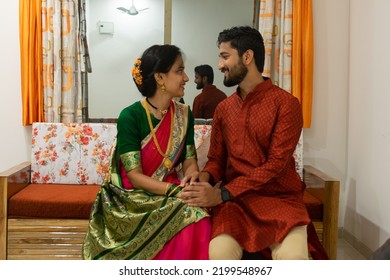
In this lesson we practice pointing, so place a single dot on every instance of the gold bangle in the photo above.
(167, 188)
(173, 191)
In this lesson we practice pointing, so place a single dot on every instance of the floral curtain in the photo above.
(275, 25)
(287, 29)
(61, 61)
(54, 60)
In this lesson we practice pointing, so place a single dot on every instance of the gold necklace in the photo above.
(167, 162)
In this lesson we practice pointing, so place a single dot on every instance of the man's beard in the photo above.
(237, 74)
(200, 85)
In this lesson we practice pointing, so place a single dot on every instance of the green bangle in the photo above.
(176, 191)
(172, 189)
(169, 190)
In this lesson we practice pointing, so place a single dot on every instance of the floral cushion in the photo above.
(71, 153)
(204, 131)
(80, 153)
(298, 156)
(201, 132)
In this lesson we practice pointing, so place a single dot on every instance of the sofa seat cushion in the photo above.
(53, 201)
(57, 201)
(314, 205)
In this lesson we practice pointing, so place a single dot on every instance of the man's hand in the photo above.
(190, 179)
(195, 177)
(201, 194)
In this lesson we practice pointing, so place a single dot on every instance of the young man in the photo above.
(206, 102)
(259, 206)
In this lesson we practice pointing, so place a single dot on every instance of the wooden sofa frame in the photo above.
(63, 238)
(327, 228)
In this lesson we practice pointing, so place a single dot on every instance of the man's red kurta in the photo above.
(251, 151)
(206, 102)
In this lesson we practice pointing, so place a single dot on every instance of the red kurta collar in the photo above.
(259, 89)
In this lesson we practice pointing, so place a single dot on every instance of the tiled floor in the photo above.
(346, 252)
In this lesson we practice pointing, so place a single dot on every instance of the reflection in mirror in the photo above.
(195, 28)
(113, 49)
(116, 39)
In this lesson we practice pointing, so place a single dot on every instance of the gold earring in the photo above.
(163, 87)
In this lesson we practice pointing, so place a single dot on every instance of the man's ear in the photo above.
(248, 56)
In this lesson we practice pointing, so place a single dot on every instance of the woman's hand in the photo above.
(190, 171)
(201, 194)
(195, 177)
(190, 179)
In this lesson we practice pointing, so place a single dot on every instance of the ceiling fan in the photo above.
(132, 10)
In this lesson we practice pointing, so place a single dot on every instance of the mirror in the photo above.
(116, 38)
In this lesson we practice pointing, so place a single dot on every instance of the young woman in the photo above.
(136, 214)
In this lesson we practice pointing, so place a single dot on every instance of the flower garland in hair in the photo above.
(136, 72)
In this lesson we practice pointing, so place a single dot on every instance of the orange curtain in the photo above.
(302, 57)
(30, 32)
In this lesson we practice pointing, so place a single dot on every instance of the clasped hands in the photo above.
(197, 191)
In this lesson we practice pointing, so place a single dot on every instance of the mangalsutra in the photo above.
(163, 112)
(167, 162)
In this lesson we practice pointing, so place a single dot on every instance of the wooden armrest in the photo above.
(15, 169)
(15, 179)
(318, 173)
(11, 181)
(315, 178)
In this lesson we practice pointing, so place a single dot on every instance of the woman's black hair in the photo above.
(156, 59)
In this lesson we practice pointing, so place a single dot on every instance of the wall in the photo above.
(14, 138)
(367, 190)
(349, 137)
(325, 143)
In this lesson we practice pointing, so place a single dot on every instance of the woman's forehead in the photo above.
(179, 62)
